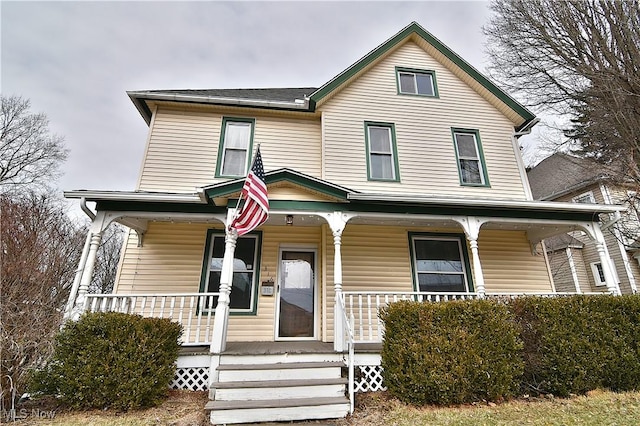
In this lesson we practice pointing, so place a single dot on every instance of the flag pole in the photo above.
(237, 212)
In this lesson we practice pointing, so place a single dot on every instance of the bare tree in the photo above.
(29, 153)
(579, 58)
(40, 248)
(104, 275)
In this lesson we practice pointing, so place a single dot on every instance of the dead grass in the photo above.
(184, 408)
(598, 408)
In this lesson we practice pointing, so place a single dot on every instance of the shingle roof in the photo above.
(561, 173)
(287, 94)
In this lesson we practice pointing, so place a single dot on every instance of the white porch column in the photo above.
(605, 260)
(87, 274)
(76, 280)
(337, 222)
(471, 226)
(574, 272)
(221, 319)
(86, 266)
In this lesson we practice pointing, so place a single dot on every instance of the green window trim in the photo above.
(416, 71)
(221, 146)
(204, 277)
(484, 176)
(394, 151)
(460, 238)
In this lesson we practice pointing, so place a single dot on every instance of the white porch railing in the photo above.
(363, 307)
(195, 311)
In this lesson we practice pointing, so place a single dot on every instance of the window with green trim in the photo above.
(382, 156)
(235, 147)
(416, 82)
(245, 269)
(439, 263)
(469, 156)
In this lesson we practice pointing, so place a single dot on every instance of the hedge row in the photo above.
(466, 351)
(111, 360)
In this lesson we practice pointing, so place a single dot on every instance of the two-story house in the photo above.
(400, 178)
(573, 258)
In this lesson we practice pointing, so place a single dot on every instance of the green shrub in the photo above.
(454, 352)
(580, 343)
(111, 360)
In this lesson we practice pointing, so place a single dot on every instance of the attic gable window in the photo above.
(236, 140)
(471, 166)
(382, 155)
(586, 198)
(416, 82)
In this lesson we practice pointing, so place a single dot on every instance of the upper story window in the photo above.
(416, 82)
(471, 167)
(234, 152)
(382, 155)
(245, 268)
(586, 198)
(439, 263)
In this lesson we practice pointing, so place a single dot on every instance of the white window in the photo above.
(244, 271)
(381, 152)
(598, 274)
(235, 148)
(586, 198)
(470, 164)
(439, 264)
(416, 82)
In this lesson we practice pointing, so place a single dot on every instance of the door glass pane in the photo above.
(296, 316)
(425, 85)
(407, 83)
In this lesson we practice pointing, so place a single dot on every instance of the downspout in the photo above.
(521, 167)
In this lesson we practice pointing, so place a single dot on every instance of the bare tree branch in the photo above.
(29, 153)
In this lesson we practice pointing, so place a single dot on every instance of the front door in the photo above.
(296, 296)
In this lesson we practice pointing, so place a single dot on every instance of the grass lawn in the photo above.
(184, 408)
(597, 408)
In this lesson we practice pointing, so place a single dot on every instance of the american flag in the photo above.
(255, 210)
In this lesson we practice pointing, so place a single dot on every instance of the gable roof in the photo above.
(305, 99)
(560, 174)
(297, 178)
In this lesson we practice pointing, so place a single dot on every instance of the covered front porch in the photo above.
(316, 274)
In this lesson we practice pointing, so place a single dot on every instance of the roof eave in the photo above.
(158, 197)
(484, 203)
(139, 99)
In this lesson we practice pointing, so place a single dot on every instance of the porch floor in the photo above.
(269, 348)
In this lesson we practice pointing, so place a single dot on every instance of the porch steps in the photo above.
(268, 387)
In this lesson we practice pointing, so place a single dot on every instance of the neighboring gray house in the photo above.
(573, 259)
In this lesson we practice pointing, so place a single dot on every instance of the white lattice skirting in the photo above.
(368, 378)
(191, 378)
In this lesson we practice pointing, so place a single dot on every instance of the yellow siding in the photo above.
(171, 262)
(183, 147)
(423, 125)
(508, 264)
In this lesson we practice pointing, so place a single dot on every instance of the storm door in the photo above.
(296, 310)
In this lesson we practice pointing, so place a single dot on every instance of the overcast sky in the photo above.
(76, 60)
